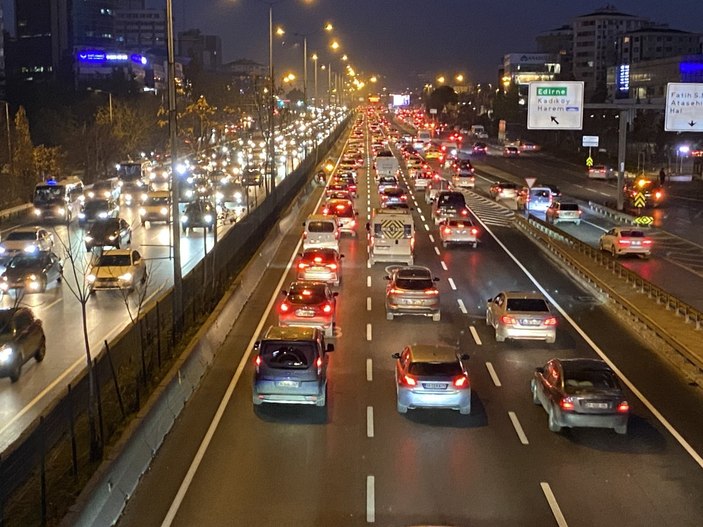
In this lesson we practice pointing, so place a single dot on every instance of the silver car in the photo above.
(411, 290)
(458, 231)
(26, 240)
(521, 315)
(432, 376)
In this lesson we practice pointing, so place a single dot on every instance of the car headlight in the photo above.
(2, 250)
(32, 277)
(208, 218)
(88, 238)
(37, 212)
(81, 215)
(112, 237)
(128, 197)
(102, 214)
(91, 277)
(144, 197)
(142, 211)
(30, 249)
(6, 353)
(163, 211)
(61, 211)
(189, 193)
(127, 277)
(184, 219)
(219, 196)
(91, 194)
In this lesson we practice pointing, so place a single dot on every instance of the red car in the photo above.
(309, 304)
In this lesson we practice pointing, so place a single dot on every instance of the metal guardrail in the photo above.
(602, 210)
(661, 297)
(15, 212)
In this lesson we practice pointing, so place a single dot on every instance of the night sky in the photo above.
(398, 38)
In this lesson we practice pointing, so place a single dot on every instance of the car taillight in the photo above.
(623, 407)
(395, 291)
(319, 365)
(403, 198)
(551, 321)
(474, 231)
(431, 292)
(657, 195)
(327, 308)
(408, 380)
(505, 319)
(447, 230)
(623, 242)
(325, 211)
(464, 212)
(302, 265)
(257, 362)
(461, 382)
(566, 404)
(647, 242)
(284, 308)
(332, 266)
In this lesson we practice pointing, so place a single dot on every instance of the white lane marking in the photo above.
(436, 249)
(451, 283)
(474, 334)
(596, 226)
(444, 266)
(368, 263)
(431, 238)
(370, 499)
(518, 428)
(215, 423)
(462, 307)
(656, 413)
(556, 511)
(422, 217)
(369, 370)
(369, 333)
(368, 281)
(603, 193)
(368, 303)
(52, 304)
(427, 227)
(369, 421)
(493, 374)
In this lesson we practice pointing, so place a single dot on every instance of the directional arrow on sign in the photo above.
(554, 120)
(692, 124)
(640, 200)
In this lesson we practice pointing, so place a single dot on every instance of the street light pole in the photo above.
(314, 59)
(305, 72)
(173, 135)
(9, 137)
(272, 147)
(329, 84)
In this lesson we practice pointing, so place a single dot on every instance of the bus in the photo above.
(57, 200)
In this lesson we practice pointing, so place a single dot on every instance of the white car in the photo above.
(459, 231)
(120, 269)
(26, 240)
(626, 240)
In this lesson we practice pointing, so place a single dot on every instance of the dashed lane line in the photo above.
(369, 332)
(451, 283)
(552, 501)
(518, 428)
(474, 334)
(462, 307)
(369, 370)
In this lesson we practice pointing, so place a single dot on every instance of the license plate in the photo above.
(434, 385)
(304, 313)
(288, 384)
(599, 406)
(635, 243)
(530, 322)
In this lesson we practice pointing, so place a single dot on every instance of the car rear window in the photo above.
(306, 295)
(321, 226)
(415, 284)
(435, 369)
(287, 355)
(507, 185)
(527, 304)
(632, 234)
(453, 199)
(591, 378)
(569, 206)
(21, 236)
(460, 223)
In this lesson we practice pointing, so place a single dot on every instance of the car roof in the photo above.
(571, 365)
(523, 294)
(117, 252)
(433, 353)
(31, 228)
(321, 217)
(291, 333)
(412, 271)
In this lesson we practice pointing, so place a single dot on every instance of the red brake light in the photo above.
(284, 307)
(317, 259)
(505, 319)
(306, 292)
(464, 212)
(431, 292)
(395, 291)
(332, 266)
(647, 242)
(623, 407)
(461, 382)
(657, 195)
(566, 404)
(447, 230)
(622, 241)
(551, 321)
(302, 265)
(408, 380)
(474, 231)
(403, 198)
(327, 308)
(319, 365)
(257, 361)
(325, 211)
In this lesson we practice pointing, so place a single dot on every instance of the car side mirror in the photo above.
(396, 356)
(329, 348)
(464, 356)
(386, 277)
(341, 256)
(284, 292)
(539, 370)
(335, 293)
(435, 279)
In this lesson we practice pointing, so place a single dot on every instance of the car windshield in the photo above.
(536, 305)
(388, 181)
(287, 355)
(319, 256)
(321, 226)
(156, 201)
(415, 284)
(104, 227)
(632, 234)
(591, 378)
(460, 223)
(507, 185)
(102, 185)
(569, 206)
(453, 199)
(435, 369)
(95, 205)
(114, 260)
(21, 236)
(25, 262)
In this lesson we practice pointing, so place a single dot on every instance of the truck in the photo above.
(386, 164)
(478, 131)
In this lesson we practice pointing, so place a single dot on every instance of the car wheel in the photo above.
(499, 337)
(550, 340)
(535, 397)
(41, 351)
(389, 316)
(553, 425)
(401, 408)
(322, 401)
(16, 372)
(622, 430)
(436, 317)
(465, 410)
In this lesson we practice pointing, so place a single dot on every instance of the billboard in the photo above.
(401, 100)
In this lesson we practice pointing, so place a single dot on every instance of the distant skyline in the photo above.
(398, 38)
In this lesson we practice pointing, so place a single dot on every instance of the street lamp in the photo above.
(9, 137)
(441, 79)
(314, 59)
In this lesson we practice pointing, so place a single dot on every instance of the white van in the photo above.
(536, 199)
(321, 232)
(391, 235)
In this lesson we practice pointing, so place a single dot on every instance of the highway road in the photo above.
(358, 461)
(59, 310)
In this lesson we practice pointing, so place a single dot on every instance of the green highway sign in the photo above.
(555, 105)
(548, 91)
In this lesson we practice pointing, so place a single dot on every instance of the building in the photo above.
(559, 42)
(205, 50)
(519, 69)
(595, 50)
(2, 53)
(140, 29)
(656, 42)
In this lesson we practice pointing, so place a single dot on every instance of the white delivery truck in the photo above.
(391, 236)
(386, 164)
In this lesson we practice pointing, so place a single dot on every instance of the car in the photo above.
(156, 207)
(458, 231)
(580, 393)
(320, 265)
(479, 148)
(464, 176)
(529, 146)
(343, 210)
(110, 232)
(21, 339)
(31, 272)
(626, 240)
(106, 188)
(449, 204)
(521, 315)
(650, 189)
(334, 187)
(560, 211)
(432, 376)
(536, 199)
(291, 367)
(320, 231)
(386, 181)
(600, 172)
(251, 177)
(411, 290)
(393, 196)
(199, 214)
(422, 179)
(511, 151)
(26, 240)
(339, 194)
(97, 209)
(310, 304)
(434, 153)
(349, 179)
(437, 184)
(503, 190)
(119, 269)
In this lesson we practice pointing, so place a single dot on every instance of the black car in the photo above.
(31, 272)
(199, 214)
(21, 338)
(111, 232)
(556, 193)
(96, 209)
